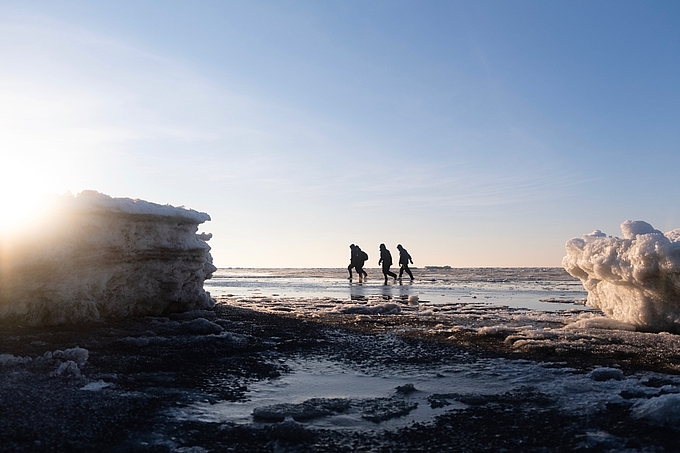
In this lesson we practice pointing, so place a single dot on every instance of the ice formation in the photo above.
(95, 257)
(68, 362)
(659, 410)
(633, 279)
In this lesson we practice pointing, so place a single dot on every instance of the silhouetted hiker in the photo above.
(352, 260)
(356, 261)
(362, 257)
(404, 259)
(386, 260)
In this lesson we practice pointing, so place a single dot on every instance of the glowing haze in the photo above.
(474, 133)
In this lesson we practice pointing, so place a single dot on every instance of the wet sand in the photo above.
(141, 372)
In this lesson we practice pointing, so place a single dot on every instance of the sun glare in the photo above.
(18, 211)
(22, 201)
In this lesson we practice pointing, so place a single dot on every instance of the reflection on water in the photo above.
(405, 290)
(387, 292)
(361, 291)
(357, 291)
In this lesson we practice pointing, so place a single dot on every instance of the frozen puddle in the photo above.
(328, 394)
(331, 395)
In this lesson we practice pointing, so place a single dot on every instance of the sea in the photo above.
(545, 289)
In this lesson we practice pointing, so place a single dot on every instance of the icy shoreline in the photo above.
(320, 380)
(578, 333)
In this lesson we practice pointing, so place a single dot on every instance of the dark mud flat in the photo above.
(114, 387)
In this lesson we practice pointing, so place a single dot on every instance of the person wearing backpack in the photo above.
(362, 257)
(353, 258)
(386, 260)
(356, 261)
(404, 259)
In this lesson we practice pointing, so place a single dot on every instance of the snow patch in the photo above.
(589, 321)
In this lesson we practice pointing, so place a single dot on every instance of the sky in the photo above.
(475, 133)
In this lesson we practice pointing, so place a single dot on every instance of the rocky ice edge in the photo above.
(95, 257)
(634, 279)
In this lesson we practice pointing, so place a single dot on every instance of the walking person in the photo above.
(352, 260)
(386, 260)
(404, 259)
(357, 259)
(362, 257)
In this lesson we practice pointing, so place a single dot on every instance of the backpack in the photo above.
(364, 256)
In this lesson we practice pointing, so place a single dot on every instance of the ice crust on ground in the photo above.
(95, 257)
(522, 330)
(68, 362)
(635, 278)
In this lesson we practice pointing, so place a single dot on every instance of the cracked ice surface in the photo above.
(95, 257)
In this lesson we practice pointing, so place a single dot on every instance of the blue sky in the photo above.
(478, 133)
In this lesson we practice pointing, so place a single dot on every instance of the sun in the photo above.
(24, 196)
(19, 210)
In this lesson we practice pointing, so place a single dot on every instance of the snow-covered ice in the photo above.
(95, 257)
(635, 278)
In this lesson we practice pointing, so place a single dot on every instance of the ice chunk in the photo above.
(606, 374)
(11, 360)
(631, 229)
(96, 386)
(307, 410)
(95, 257)
(68, 368)
(382, 409)
(77, 355)
(634, 279)
(201, 326)
(660, 410)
